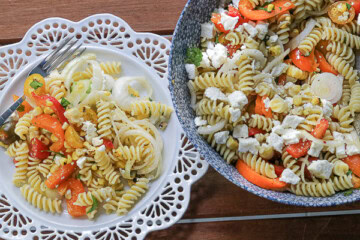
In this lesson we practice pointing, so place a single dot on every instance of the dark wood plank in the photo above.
(17, 16)
(339, 227)
(214, 196)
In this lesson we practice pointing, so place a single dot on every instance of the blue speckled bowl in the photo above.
(187, 33)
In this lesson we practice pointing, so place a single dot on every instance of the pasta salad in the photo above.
(275, 91)
(86, 135)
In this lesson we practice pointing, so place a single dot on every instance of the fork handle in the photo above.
(10, 110)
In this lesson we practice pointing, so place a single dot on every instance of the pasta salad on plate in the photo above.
(275, 91)
(87, 135)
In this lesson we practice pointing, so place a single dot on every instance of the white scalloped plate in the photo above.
(141, 54)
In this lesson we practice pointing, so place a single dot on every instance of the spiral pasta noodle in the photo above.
(21, 163)
(86, 198)
(236, 38)
(206, 107)
(351, 27)
(342, 50)
(228, 154)
(264, 89)
(131, 195)
(355, 98)
(258, 165)
(55, 86)
(342, 182)
(147, 109)
(40, 201)
(103, 161)
(345, 119)
(312, 189)
(261, 122)
(245, 76)
(338, 35)
(22, 127)
(210, 79)
(104, 122)
(307, 45)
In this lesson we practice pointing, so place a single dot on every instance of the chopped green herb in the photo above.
(265, 9)
(217, 38)
(280, 8)
(349, 172)
(35, 84)
(64, 102)
(149, 113)
(78, 176)
(348, 6)
(56, 153)
(150, 99)
(348, 192)
(20, 108)
(89, 89)
(94, 205)
(132, 95)
(194, 56)
(71, 88)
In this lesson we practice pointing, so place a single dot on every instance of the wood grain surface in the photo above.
(157, 16)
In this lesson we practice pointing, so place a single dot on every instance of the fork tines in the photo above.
(57, 57)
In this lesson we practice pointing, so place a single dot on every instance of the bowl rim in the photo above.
(318, 201)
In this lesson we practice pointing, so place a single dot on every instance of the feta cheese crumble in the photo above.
(327, 108)
(217, 55)
(199, 122)
(241, 131)
(340, 150)
(292, 121)
(275, 141)
(191, 70)
(101, 148)
(80, 162)
(238, 99)
(214, 94)
(207, 30)
(250, 29)
(221, 137)
(235, 114)
(291, 136)
(321, 168)
(315, 149)
(262, 29)
(90, 129)
(289, 176)
(248, 145)
(228, 22)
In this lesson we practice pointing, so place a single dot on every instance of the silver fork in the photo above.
(52, 61)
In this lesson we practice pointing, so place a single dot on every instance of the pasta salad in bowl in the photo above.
(89, 137)
(272, 87)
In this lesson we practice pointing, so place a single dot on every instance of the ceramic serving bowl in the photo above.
(187, 34)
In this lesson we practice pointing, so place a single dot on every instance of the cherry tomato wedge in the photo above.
(246, 9)
(278, 170)
(354, 164)
(34, 83)
(234, 12)
(216, 19)
(38, 149)
(321, 46)
(254, 131)
(304, 63)
(108, 144)
(299, 149)
(341, 12)
(232, 49)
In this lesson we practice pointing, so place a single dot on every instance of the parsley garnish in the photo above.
(348, 6)
(35, 84)
(64, 102)
(348, 192)
(348, 172)
(150, 113)
(194, 56)
(20, 108)
(94, 205)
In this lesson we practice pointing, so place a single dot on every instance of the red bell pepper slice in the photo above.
(56, 106)
(52, 125)
(354, 164)
(60, 175)
(76, 188)
(299, 149)
(278, 170)
(323, 64)
(216, 19)
(305, 63)
(320, 129)
(246, 9)
(38, 149)
(25, 104)
(108, 144)
(254, 131)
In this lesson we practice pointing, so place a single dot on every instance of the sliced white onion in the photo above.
(275, 61)
(331, 143)
(295, 42)
(255, 54)
(73, 66)
(212, 129)
(192, 95)
(97, 78)
(121, 93)
(327, 86)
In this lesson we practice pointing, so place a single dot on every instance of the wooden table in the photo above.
(218, 209)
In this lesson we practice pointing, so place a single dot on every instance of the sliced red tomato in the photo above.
(356, 5)
(232, 49)
(278, 170)
(299, 149)
(320, 129)
(216, 19)
(15, 162)
(304, 63)
(38, 149)
(254, 131)
(234, 12)
(323, 64)
(260, 107)
(354, 164)
(246, 9)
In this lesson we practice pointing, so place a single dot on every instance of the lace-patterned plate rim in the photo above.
(187, 34)
(164, 207)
